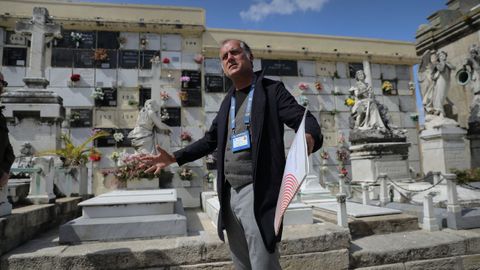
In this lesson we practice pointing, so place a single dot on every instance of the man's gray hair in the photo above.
(243, 45)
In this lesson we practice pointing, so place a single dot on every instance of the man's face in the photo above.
(235, 62)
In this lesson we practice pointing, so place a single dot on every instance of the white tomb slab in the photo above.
(342, 85)
(395, 118)
(75, 97)
(59, 77)
(340, 104)
(175, 59)
(105, 77)
(87, 77)
(375, 70)
(132, 40)
(408, 122)
(126, 96)
(213, 66)
(127, 78)
(326, 102)
(325, 69)
(174, 99)
(329, 139)
(105, 118)
(388, 72)
(403, 72)
(14, 76)
(342, 69)
(391, 103)
(407, 104)
(193, 117)
(127, 118)
(327, 85)
(412, 136)
(357, 210)
(192, 44)
(403, 88)
(213, 101)
(377, 87)
(257, 65)
(153, 41)
(171, 42)
(306, 68)
(188, 61)
(342, 120)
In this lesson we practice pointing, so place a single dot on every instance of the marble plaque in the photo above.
(327, 122)
(402, 72)
(213, 101)
(175, 59)
(174, 100)
(391, 103)
(326, 102)
(128, 59)
(126, 142)
(342, 69)
(342, 120)
(192, 44)
(394, 169)
(340, 104)
(127, 118)
(87, 77)
(105, 77)
(212, 66)
(327, 85)
(403, 88)
(144, 95)
(395, 118)
(195, 79)
(280, 67)
(105, 118)
(106, 141)
(342, 86)
(107, 40)
(84, 118)
(188, 61)
(127, 78)
(153, 41)
(14, 76)
(171, 77)
(193, 117)
(326, 69)
(58, 77)
(128, 98)
(132, 41)
(375, 70)
(110, 63)
(388, 72)
(175, 115)
(74, 97)
(109, 98)
(306, 69)
(13, 38)
(171, 42)
(213, 83)
(407, 104)
(62, 57)
(329, 139)
(358, 210)
(407, 120)
(16, 57)
(193, 98)
(145, 60)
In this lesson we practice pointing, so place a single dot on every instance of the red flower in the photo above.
(75, 77)
(344, 171)
(166, 60)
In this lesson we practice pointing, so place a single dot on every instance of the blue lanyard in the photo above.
(247, 116)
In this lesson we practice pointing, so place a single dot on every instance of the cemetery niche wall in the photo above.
(106, 73)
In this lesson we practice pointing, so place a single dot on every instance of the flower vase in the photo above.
(77, 44)
(184, 84)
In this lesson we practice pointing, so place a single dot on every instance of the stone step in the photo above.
(126, 227)
(398, 248)
(362, 225)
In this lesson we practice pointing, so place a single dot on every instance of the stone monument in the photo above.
(472, 71)
(376, 147)
(442, 140)
(33, 113)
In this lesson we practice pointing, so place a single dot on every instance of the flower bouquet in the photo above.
(350, 101)
(185, 174)
(94, 155)
(303, 86)
(318, 86)
(75, 77)
(100, 55)
(387, 87)
(186, 136)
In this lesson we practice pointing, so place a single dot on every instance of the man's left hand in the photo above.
(310, 142)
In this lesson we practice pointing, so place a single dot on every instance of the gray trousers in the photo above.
(244, 238)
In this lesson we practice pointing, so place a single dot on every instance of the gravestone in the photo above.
(36, 113)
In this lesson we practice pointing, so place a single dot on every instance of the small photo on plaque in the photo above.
(129, 59)
(214, 83)
(109, 98)
(174, 117)
(16, 57)
(80, 118)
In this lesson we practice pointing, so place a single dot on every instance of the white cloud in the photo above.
(262, 9)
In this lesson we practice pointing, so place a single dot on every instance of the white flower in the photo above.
(118, 137)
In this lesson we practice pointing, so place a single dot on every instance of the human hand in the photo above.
(156, 163)
(4, 180)
(310, 142)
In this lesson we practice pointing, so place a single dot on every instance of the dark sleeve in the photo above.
(6, 151)
(200, 148)
(291, 113)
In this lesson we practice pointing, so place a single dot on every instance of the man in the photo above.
(6, 151)
(248, 135)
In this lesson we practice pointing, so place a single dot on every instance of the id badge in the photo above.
(240, 141)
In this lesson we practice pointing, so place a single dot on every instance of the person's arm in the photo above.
(291, 113)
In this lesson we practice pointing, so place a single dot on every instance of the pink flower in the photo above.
(303, 86)
(198, 58)
(164, 95)
(185, 136)
(184, 79)
(166, 60)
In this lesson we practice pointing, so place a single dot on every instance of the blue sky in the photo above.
(385, 19)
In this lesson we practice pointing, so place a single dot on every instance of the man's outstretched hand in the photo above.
(155, 163)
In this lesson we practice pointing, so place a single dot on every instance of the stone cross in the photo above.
(40, 30)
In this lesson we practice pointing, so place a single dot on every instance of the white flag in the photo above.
(296, 169)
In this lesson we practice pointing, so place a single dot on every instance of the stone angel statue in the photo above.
(150, 130)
